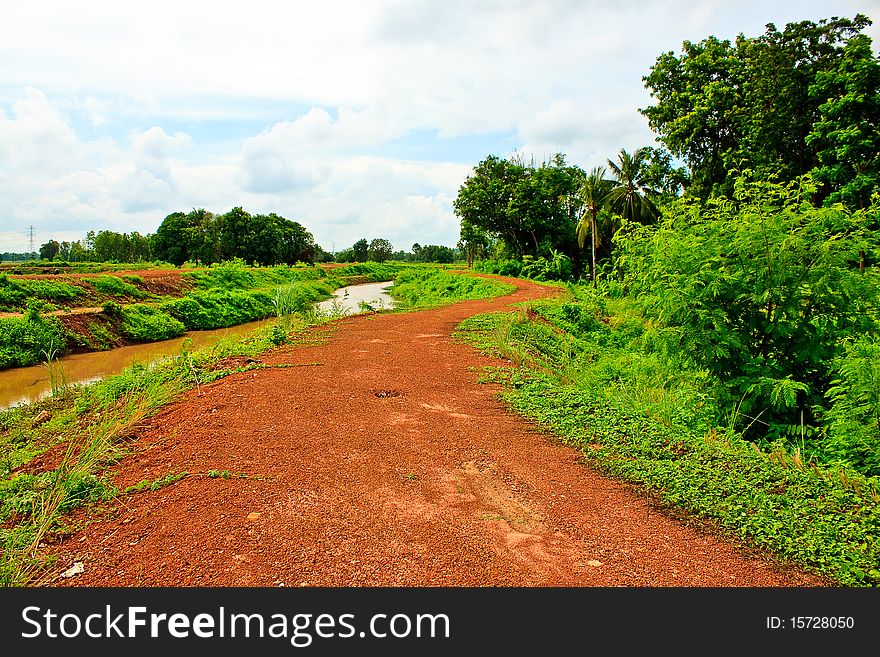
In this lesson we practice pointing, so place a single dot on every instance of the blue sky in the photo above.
(357, 119)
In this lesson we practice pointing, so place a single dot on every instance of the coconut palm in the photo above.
(631, 196)
(593, 193)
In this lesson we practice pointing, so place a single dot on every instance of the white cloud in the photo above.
(112, 116)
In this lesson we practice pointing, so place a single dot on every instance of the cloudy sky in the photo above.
(356, 118)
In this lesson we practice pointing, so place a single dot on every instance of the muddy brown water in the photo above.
(25, 385)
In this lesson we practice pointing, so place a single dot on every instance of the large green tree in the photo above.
(200, 236)
(171, 240)
(723, 106)
(380, 250)
(530, 209)
(49, 250)
(846, 135)
(360, 250)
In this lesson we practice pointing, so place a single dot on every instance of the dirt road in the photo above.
(382, 462)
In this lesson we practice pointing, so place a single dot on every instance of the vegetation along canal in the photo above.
(28, 384)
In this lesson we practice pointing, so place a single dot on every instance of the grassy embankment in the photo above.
(55, 454)
(584, 367)
(135, 309)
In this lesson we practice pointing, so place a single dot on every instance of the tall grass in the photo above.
(75, 481)
(57, 375)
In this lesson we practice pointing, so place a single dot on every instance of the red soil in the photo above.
(380, 461)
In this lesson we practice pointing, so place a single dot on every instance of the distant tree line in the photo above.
(201, 237)
(380, 250)
(101, 246)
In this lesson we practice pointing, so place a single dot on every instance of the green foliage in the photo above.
(776, 104)
(142, 323)
(630, 196)
(758, 291)
(502, 267)
(115, 286)
(586, 366)
(379, 250)
(200, 236)
(853, 419)
(434, 253)
(530, 209)
(847, 135)
(557, 268)
(15, 293)
(426, 287)
(235, 275)
(210, 310)
(24, 339)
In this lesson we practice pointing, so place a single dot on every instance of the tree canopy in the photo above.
(200, 236)
(782, 104)
(531, 209)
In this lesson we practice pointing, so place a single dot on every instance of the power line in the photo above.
(31, 238)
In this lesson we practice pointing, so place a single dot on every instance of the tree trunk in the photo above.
(593, 230)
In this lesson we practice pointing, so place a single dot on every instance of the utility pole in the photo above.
(31, 239)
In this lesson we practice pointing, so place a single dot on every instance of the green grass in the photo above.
(428, 287)
(583, 367)
(236, 276)
(142, 323)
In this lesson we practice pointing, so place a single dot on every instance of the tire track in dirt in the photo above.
(384, 463)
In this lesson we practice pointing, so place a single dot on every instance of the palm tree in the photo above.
(593, 193)
(631, 196)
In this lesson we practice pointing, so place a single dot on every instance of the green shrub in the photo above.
(423, 287)
(115, 286)
(141, 323)
(24, 339)
(14, 294)
(508, 267)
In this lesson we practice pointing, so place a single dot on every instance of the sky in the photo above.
(358, 119)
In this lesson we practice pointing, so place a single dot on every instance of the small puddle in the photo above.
(24, 385)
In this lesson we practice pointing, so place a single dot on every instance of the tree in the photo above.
(695, 113)
(593, 194)
(49, 250)
(360, 249)
(750, 105)
(846, 135)
(236, 234)
(630, 196)
(171, 240)
(433, 253)
(759, 291)
(527, 208)
(203, 237)
(662, 175)
(380, 250)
